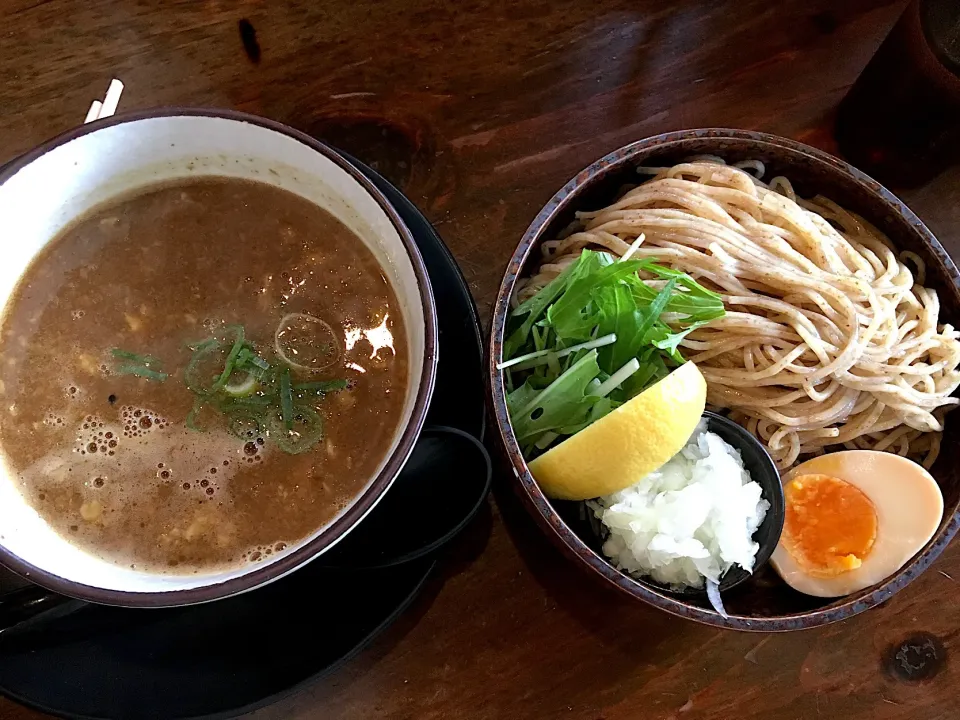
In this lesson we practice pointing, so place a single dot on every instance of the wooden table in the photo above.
(480, 110)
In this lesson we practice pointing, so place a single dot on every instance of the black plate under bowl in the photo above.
(232, 656)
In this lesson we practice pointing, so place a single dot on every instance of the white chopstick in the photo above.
(94, 112)
(108, 107)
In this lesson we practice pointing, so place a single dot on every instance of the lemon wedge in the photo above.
(625, 446)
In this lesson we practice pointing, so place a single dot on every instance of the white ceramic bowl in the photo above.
(44, 190)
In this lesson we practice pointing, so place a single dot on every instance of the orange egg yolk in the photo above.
(830, 525)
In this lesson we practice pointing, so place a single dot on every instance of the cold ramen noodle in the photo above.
(829, 336)
(198, 375)
(703, 284)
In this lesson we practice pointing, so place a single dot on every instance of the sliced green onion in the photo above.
(320, 387)
(244, 424)
(307, 430)
(541, 356)
(286, 399)
(192, 375)
(248, 386)
(141, 371)
(329, 351)
(253, 403)
(231, 358)
(134, 357)
(259, 362)
(615, 380)
(248, 357)
(191, 423)
(196, 345)
(238, 389)
(269, 380)
(138, 365)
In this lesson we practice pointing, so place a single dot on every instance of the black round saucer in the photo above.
(229, 657)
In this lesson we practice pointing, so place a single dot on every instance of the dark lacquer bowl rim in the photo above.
(258, 575)
(538, 504)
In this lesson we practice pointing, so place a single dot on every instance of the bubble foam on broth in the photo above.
(184, 472)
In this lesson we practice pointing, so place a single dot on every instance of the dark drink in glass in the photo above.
(900, 122)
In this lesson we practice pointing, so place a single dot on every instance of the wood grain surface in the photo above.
(480, 110)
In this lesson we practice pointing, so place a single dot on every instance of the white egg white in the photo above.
(909, 509)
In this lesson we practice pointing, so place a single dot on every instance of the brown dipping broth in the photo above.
(108, 460)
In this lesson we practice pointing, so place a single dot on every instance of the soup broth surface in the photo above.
(115, 424)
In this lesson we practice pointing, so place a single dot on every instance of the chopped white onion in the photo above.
(688, 521)
(713, 595)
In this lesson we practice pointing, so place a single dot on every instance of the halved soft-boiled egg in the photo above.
(854, 518)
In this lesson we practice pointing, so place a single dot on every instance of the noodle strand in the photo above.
(829, 337)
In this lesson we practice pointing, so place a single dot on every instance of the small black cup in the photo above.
(764, 472)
